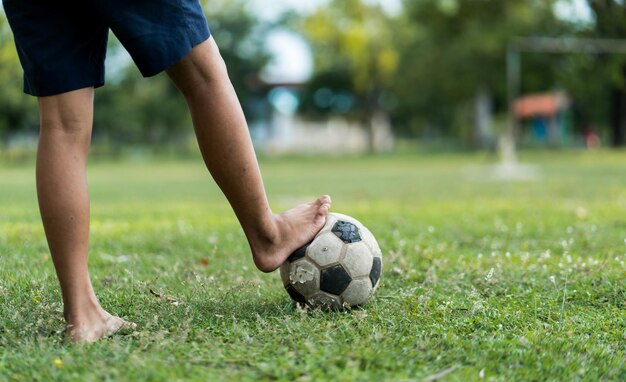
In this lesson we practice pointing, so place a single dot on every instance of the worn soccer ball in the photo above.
(340, 268)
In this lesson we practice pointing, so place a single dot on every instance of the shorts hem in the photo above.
(193, 40)
(45, 91)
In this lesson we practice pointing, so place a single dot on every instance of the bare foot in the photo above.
(104, 325)
(287, 232)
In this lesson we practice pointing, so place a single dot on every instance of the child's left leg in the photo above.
(224, 140)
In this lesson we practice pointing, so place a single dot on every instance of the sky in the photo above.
(292, 59)
(574, 10)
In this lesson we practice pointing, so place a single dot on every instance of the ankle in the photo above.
(267, 233)
(84, 311)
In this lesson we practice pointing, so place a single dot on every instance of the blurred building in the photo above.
(545, 118)
(280, 129)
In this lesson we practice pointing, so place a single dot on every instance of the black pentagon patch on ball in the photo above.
(295, 295)
(299, 253)
(346, 231)
(335, 280)
(375, 272)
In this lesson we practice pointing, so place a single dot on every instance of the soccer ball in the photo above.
(340, 268)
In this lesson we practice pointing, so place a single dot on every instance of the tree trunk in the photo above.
(377, 123)
(618, 115)
(482, 118)
(380, 134)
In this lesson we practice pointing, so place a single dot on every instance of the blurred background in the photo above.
(362, 76)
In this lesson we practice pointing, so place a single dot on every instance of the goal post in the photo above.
(554, 45)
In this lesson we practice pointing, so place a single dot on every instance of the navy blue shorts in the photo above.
(62, 44)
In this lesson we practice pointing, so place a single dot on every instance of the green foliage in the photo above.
(606, 71)
(355, 56)
(16, 110)
(482, 279)
(136, 110)
(454, 49)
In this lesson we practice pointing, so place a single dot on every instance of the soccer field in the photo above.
(483, 279)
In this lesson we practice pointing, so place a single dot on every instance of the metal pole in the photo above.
(569, 45)
(513, 80)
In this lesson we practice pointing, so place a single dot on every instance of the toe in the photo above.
(119, 326)
(322, 200)
(321, 213)
(128, 325)
(324, 208)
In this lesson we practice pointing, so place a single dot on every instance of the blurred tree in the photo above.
(610, 22)
(17, 112)
(356, 60)
(136, 110)
(453, 62)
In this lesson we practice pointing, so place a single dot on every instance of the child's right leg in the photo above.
(66, 124)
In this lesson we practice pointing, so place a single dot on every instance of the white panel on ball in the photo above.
(358, 259)
(358, 292)
(325, 249)
(370, 240)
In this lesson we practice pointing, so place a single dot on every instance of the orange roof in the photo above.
(540, 105)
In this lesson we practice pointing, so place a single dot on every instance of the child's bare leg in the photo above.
(66, 124)
(227, 150)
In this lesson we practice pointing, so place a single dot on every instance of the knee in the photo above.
(68, 113)
(64, 123)
(67, 129)
(209, 66)
(201, 70)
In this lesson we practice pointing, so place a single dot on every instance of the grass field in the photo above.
(483, 279)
